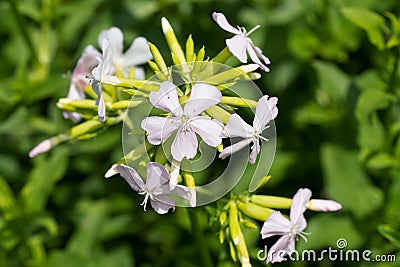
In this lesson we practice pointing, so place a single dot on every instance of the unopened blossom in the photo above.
(323, 205)
(104, 67)
(290, 230)
(187, 121)
(78, 79)
(156, 189)
(137, 54)
(40, 148)
(240, 45)
(266, 111)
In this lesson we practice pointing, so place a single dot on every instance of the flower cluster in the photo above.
(192, 101)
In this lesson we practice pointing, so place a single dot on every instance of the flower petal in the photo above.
(256, 54)
(234, 148)
(299, 203)
(162, 204)
(208, 129)
(139, 73)
(157, 175)
(201, 97)
(131, 177)
(167, 99)
(184, 145)
(275, 224)
(101, 111)
(138, 53)
(237, 45)
(224, 24)
(159, 128)
(237, 127)
(255, 149)
(115, 37)
(284, 246)
(266, 111)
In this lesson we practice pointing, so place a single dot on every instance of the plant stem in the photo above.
(22, 29)
(199, 238)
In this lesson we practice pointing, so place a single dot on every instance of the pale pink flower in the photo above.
(290, 230)
(156, 188)
(78, 79)
(241, 43)
(40, 148)
(186, 122)
(266, 111)
(137, 54)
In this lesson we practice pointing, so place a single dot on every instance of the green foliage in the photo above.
(335, 71)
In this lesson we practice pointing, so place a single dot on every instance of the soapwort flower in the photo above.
(240, 43)
(290, 230)
(137, 54)
(266, 111)
(78, 79)
(156, 188)
(186, 122)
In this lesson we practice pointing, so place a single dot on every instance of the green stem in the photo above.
(199, 238)
(22, 29)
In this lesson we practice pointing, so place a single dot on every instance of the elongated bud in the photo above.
(222, 217)
(234, 226)
(190, 183)
(254, 211)
(218, 113)
(84, 128)
(239, 101)
(323, 205)
(222, 56)
(231, 74)
(248, 224)
(242, 250)
(201, 54)
(143, 85)
(172, 41)
(74, 105)
(271, 201)
(232, 250)
(175, 168)
(190, 57)
(157, 57)
(221, 236)
(124, 104)
(43, 147)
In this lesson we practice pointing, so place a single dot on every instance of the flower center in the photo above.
(294, 232)
(185, 121)
(146, 198)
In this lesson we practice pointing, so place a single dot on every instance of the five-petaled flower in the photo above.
(240, 43)
(186, 122)
(266, 111)
(78, 79)
(277, 224)
(156, 188)
(137, 54)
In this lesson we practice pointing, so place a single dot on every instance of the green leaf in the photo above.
(390, 234)
(8, 203)
(41, 181)
(332, 81)
(382, 160)
(347, 182)
(370, 101)
(369, 21)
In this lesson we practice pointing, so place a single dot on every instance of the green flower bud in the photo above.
(271, 201)
(254, 211)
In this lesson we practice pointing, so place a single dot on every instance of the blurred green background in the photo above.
(335, 71)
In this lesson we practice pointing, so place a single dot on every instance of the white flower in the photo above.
(78, 79)
(240, 43)
(137, 54)
(277, 224)
(266, 111)
(156, 188)
(104, 68)
(186, 122)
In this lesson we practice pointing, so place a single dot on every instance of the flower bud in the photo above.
(234, 226)
(271, 201)
(239, 102)
(255, 211)
(172, 41)
(323, 205)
